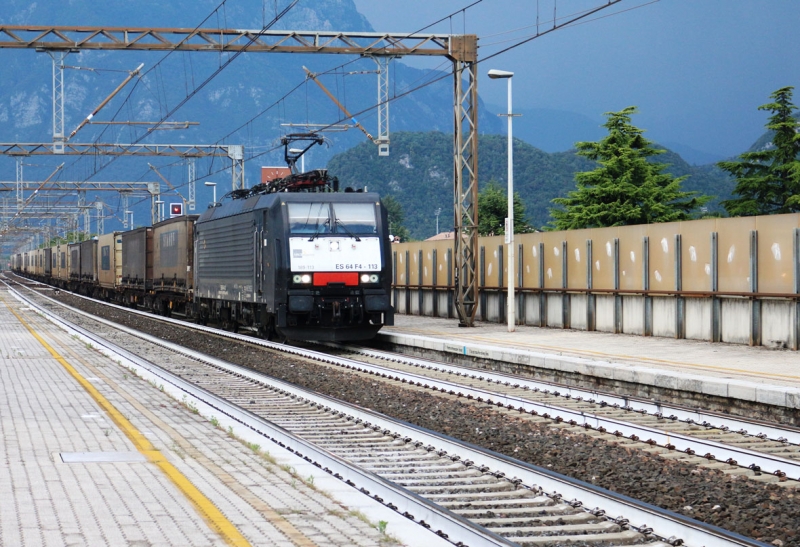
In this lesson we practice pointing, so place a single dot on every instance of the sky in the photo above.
(696, 69)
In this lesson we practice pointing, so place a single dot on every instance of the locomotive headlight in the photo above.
(301, 278)
(334, 245)
(369, 278)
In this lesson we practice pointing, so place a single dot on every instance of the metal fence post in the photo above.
(617, 296)
(566, 301)
(542, 295)
(796, 256)
(648, 300)
(501, 296)
(482, 283)
(435, 278)
(420, 299)
(680, 304)
(716, 304)
(520, 295)
(450, 290)
(408, 284)
(755, 302)
(591, 304)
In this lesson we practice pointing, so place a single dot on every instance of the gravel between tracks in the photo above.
(766, 512)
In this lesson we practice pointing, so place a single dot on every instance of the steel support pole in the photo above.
(58, 100)
(192, 175)
(465, 174)
(382, 138)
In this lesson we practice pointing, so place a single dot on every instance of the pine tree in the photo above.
(493, 209)
(768, 180)
(394, 212)
(626, 188)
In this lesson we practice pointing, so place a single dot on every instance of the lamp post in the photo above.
(511, 304)
(437, 212)
(214, 186)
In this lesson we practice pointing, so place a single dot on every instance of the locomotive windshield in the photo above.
(321, 218)
(309, 218)
(358, 218)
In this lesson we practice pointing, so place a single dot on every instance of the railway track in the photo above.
(468, 494)
(763, 451)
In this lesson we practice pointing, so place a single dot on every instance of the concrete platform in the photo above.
(757, 381)
(93, 455)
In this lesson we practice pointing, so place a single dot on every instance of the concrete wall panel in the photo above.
(604, 314)
(698, 318)
(554, 310)
(633, 314)
(664, 316)
(735, 320)
(577, 313)
(777, 318)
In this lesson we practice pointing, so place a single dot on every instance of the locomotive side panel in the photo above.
(225, 258)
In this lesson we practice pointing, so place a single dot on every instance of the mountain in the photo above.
(227, 108)
(419, 175)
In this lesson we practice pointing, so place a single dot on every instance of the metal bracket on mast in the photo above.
(382, 139)
(236, 154)
(58, 99)
(191, 203)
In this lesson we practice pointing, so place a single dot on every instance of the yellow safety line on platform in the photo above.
(213, 516)
(609, 356)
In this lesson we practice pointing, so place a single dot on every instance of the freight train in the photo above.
(294, 258)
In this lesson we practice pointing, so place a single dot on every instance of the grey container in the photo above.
(48, 262)
(89, 261)
(74, 261)
(137, 258)
(173, 254)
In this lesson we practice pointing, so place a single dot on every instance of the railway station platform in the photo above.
(758, 381)
(93, 455)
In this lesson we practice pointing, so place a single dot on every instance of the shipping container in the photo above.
(109, 249)
(173, 254)
(47, 263)
(74, 250)
(137, 258)
(88, 266)
(63, 262)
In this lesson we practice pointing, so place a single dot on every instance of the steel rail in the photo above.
(634, 404)
(663, 522)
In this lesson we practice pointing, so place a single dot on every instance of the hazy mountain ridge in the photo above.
(419, 174)
(254, 82)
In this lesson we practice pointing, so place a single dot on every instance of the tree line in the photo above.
(629, 187)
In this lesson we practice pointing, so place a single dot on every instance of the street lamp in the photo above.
(437, 212)
(214, 186)
(511, 304)
(302, 157)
